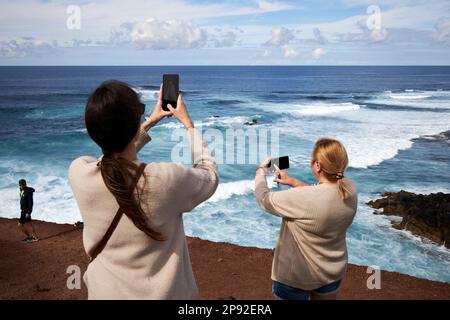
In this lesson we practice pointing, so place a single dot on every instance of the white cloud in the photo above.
(442, 31)
(221, 37)
(316, 54)
(378, 35)
(420, 16)
(47, 19)
(26, 46)
(365, 34)
(406, 26)
(268, 6)
(81, 43)
(380, 2)
(281, 36)
(290, 52)
(407, 37)
(319, 37)
(172, 34)
(159, 35)
(392, 3)
(312, 36)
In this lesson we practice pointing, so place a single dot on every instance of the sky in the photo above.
(231, 32)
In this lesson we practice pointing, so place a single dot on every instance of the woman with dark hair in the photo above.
(132, 212)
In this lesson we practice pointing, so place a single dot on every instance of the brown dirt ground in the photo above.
(223, 271)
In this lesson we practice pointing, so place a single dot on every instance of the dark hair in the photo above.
(22, 182)
(113, 115)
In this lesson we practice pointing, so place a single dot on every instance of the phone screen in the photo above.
(282, 163)
(171, 90)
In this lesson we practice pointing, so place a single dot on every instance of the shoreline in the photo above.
(223, 271)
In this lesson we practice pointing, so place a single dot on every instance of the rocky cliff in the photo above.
(424, 215)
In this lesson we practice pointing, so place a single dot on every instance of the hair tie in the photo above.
(339, 175)
(106, 154)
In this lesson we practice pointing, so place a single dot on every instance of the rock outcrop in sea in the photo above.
(427, 216)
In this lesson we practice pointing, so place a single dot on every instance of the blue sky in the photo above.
(246, 32)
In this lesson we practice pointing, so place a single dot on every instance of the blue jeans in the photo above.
(284, 292)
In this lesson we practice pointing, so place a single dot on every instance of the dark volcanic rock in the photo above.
(424, 215)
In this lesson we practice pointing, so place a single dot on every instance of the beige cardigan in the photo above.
(311, 249)
(132, 265)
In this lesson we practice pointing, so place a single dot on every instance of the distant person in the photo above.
(143, 253)
(26, 208)
(310, 259)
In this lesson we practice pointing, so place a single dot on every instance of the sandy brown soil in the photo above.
(223, 271)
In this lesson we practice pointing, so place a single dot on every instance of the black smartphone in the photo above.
(281, 162)
(171, 90)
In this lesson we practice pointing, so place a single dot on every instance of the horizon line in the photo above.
(229, 65)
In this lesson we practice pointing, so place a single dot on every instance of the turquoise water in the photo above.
(390, 119)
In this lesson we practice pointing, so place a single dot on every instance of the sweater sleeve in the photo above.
(142, 139)
(286, 204)
(198, 183)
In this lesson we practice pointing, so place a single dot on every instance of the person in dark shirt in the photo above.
(26, 207)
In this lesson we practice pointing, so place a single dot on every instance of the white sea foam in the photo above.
(310, 109)
(409, 97)
(212, 121)
(370, 136)
(322, 108)
(147, 94)
(414, 99)
(171, 125)
(227, 190)
(417, 189)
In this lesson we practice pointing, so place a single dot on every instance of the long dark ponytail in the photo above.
(112, 117)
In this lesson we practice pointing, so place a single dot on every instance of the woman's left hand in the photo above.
(264, 165)
(158, 113)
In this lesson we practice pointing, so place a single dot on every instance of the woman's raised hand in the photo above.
(284, 178)
(158, 113)
(181, 113)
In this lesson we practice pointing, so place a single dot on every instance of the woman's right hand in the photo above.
(284, 178)
(158, 113)
(181, 113)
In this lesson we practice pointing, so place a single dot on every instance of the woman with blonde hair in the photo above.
(310, 259)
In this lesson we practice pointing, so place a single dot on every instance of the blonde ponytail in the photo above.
(344, 188)
(333, 160)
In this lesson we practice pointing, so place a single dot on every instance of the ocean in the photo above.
(391, 120)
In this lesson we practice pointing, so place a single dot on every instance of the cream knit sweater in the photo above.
(132, 265)
(311, 250)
